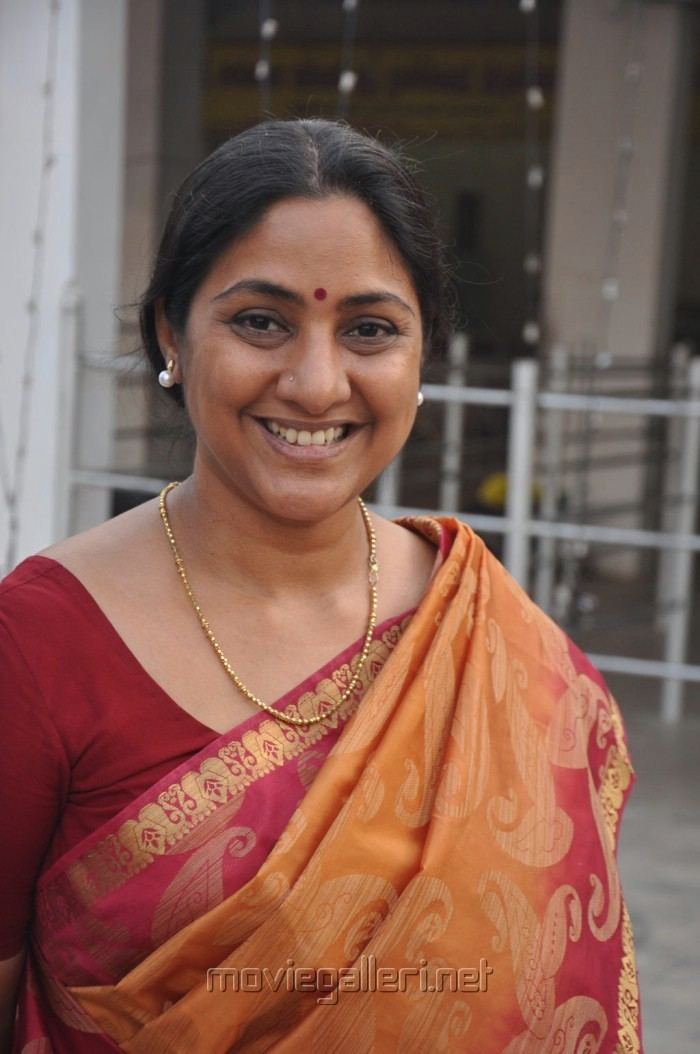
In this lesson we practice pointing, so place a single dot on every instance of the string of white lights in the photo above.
(12, 482)
(534, 174)
(263, 67)
(347, 80)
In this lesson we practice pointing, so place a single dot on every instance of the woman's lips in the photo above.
(310, 452)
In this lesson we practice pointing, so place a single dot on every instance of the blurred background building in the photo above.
(561, 141)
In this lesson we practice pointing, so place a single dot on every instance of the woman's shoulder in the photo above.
(407, 561)
(109, 547)
(57, 585)
(36, 585)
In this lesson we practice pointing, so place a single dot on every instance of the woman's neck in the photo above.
(224, 537)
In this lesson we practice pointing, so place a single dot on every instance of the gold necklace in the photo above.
(290, 719)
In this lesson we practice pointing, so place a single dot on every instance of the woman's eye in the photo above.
(372, 330)
(259, 323)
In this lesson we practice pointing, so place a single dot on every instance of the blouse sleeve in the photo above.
(34, 775)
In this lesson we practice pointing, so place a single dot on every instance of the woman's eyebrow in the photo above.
(380, 296)
(259, 285)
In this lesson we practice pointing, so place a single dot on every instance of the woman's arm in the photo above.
(30, 745)
(10, 973)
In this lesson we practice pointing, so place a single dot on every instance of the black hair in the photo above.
(228, 193)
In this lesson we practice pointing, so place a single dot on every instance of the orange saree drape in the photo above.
(448, 882)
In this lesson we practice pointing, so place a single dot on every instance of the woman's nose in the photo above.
(315, 377)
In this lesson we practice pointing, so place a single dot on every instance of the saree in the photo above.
(447, 882)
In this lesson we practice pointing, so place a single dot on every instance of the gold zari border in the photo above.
(628, 994)
(616, 775)
(219, 779)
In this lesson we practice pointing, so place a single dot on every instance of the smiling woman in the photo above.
(299, 403)
(268, 729)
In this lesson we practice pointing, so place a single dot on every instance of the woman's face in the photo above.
(301, 358)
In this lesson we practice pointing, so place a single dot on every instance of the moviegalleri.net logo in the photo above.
(328, 982)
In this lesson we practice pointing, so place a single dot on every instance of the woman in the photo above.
(412, 849)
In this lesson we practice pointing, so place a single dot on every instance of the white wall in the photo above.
(80, 124)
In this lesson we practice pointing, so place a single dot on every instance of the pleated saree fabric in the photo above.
(447, 882)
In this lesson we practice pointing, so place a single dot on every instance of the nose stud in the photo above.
(291, 378)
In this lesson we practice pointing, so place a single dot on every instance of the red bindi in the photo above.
(320, 293)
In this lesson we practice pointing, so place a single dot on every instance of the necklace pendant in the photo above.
(373, 573)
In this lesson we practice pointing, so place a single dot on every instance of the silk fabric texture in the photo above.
(465, 822)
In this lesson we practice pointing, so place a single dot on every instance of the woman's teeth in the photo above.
(304, 438)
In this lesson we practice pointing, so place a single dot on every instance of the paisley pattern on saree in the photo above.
(537, 947)
(578, 1026)
(526, 822)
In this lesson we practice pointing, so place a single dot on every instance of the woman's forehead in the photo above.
(320, 244)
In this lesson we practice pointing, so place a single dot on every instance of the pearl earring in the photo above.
(166, 378)
(421, 399)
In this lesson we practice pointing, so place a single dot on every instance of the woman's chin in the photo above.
(307, 506)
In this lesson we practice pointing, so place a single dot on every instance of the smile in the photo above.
(305, 437)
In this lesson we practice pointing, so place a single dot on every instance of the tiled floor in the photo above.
(660, 866)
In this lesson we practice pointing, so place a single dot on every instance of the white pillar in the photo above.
(61, 82)
(625, 71)
(521, 456)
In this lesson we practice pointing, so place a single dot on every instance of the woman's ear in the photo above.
(167, 341)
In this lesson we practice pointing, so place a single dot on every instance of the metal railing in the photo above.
(519, 527)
